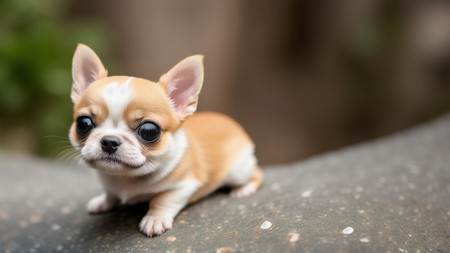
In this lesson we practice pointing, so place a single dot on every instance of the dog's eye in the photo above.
(84, 125)
(149, 131)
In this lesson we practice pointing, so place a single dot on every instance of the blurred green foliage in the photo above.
(36, 47)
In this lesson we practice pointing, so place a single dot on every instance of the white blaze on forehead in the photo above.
(117, 96)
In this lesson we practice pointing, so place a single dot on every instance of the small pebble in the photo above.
(171, 239)
(365, 239)
(293, 237)
(56, 227)
(266, 225)
(306, 194)
(225, 250)
(347, 230)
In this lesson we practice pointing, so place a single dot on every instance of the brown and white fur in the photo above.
(194, 155)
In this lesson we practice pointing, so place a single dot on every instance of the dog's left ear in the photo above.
(183, 84)
(86, 68)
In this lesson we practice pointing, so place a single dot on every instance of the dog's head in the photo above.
(126, 125)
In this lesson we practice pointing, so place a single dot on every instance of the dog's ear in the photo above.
(86, 68)
(183, 84)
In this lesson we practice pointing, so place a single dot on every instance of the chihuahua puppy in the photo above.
(147, 144)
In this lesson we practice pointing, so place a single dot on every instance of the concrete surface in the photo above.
(389, 195)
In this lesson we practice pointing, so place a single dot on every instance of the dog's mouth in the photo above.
(113, 162)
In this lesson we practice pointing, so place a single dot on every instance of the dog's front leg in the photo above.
(163, 209)
(102, 203)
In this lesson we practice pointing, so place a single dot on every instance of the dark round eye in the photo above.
(149, 131)
(84, 125)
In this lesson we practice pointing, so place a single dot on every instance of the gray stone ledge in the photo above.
(394, 193)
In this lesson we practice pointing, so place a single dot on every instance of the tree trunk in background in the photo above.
(303, 77)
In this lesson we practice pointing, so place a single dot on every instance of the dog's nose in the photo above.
(110, 143)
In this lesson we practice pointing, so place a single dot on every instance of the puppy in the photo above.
(147, 144)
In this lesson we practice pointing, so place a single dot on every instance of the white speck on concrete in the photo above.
(59, 247)
(361, 211)
(306, 194)
(401, 250)
(266, 225)
(293, 237)
(56, 227)
(365, 239)
(348, 230)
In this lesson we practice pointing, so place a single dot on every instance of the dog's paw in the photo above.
(99, 204)
(155, 225)
(244, 190)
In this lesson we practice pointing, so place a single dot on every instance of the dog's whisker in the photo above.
(69, 156)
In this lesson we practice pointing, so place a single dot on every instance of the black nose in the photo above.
(110, 143)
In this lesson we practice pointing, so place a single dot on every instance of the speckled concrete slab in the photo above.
(391, 195)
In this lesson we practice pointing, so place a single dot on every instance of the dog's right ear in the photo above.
(86, 68)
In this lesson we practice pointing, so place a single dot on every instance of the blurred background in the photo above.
(303, 77)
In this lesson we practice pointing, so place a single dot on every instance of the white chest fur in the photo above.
(131, 190)
(134, 190)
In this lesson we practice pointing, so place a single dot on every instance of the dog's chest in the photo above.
(133, 190)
